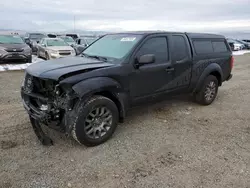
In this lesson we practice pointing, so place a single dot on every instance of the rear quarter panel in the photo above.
(201, 62)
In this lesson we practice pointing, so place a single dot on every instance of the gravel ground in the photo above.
(176, 143)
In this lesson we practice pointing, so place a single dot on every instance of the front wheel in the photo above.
(38, 54)
(30, 59)
(47, 56)
(208, 92)
(96, 121)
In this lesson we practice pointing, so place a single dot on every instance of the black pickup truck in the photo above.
(87, 95)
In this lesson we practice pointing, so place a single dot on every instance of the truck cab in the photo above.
(87, 95)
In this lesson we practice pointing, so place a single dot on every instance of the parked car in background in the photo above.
(51, 35)
(231, 44)
(246, 45)
(86, 96)
(83, 42)
(32, 39)
(246, 40)
(73, 35)
(236, 45)
(68, 40)
(52, 48)
(13, 48)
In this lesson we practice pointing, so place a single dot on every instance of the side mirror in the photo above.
(146, 59)
(43, 45)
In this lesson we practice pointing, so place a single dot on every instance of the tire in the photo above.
(91, 130)
(38, 54)
(208, 92)
(30, 59)
(47, 56)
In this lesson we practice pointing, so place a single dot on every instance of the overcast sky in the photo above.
(115, 15)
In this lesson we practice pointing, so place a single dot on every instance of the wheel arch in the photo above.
(106, 87)
(118, 99)
(212, 69)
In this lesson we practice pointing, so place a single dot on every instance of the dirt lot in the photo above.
(173, 144)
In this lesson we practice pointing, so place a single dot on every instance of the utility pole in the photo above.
(74, 23)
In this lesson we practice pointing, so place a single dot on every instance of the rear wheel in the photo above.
(208, 92)
(96, 121)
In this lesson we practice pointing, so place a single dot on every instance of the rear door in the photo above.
(181, 59)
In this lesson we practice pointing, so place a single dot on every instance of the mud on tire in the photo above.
(96, 121)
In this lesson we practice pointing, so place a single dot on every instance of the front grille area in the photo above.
(14, 50)
(39, 86)
(64, 52)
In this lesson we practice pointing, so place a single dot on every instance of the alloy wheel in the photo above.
(210, 91)
(98, 122)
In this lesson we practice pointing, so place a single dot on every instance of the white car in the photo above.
(238, 46)
(53, 48)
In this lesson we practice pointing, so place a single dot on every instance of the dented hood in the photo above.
(54, 69)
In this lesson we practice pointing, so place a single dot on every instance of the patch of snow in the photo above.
(241, 52)
(7, 67)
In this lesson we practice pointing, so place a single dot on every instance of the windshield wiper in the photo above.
(96, 57)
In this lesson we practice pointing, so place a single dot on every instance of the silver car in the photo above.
(53, 48)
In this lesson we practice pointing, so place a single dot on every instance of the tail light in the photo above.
(232, 62)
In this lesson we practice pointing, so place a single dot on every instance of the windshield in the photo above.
(11, 39)
(68, 39)
(90, 40)
(113, 46)
(36, 36)
(56, 42)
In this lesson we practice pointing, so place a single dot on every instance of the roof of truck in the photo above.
(204, 35)
(191, 35)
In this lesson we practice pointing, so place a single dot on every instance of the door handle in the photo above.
(169, 69)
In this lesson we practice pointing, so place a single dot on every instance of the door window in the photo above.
(180, 50)
(157, 46)
(203, 47)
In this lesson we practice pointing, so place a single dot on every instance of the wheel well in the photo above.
(218, 76)
(112, 97)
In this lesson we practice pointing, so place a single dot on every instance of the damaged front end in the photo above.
(48, 103)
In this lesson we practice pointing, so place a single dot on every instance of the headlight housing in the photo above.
(53, 51)
(73, 52)
(27, 50)
(2, 52)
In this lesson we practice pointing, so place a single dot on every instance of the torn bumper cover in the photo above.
(33, 111)
(48, 116)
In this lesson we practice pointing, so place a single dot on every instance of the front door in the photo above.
(149, 80)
